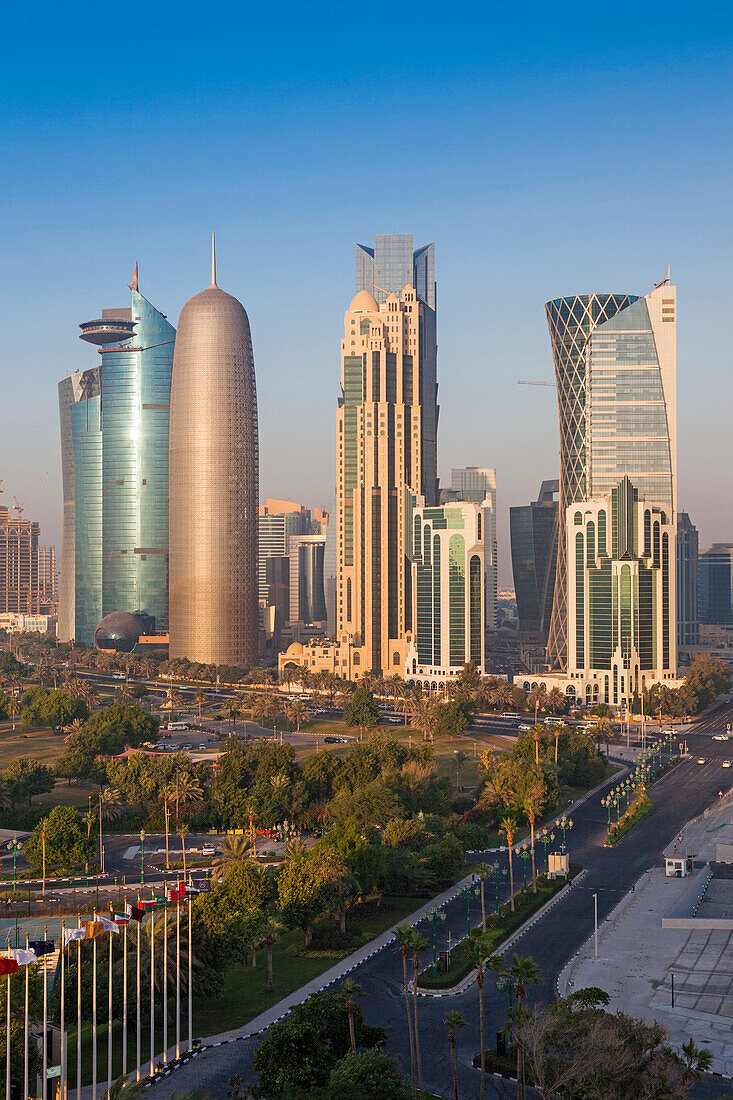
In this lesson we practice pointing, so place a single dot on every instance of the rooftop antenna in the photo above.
(213, 260)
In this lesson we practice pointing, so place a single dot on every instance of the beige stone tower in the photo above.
(387, 418)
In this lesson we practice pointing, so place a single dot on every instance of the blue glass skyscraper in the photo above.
(120, 469)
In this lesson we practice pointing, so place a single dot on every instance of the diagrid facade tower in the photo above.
(214, 483)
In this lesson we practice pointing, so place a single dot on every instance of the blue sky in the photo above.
(545, 149)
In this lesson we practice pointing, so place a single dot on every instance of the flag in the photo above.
(93, 928)
(192, 889)
(8, 966)
(147, 903)
(23, 956)
(134, 913)
(122, 920)
(174, 894)
(71, 934)
(161, 903)
(42, 947)
(109, 925)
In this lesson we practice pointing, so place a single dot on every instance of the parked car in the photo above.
(726, 763)
(201, 747)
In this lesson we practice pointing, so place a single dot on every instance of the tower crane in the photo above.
(20, 505)
(522, 382)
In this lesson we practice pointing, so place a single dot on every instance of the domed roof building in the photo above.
(364, 302)
(214, 483)
(119, 631)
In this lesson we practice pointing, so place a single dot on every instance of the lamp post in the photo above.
(546, 839)
(607, 803)
(524, 855)
(15, 846)
(496, 873)
(471, 889)
(435, 917)
(565, 823)
(142, 857)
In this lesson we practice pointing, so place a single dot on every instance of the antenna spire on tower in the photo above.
(213, 259)
(133, 284)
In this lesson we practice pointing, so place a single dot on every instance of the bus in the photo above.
(177, 726)
(510, 714)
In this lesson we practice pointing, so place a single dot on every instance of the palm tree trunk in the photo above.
(511, 877)
(481, 1026)
(269, 984)
(254, 956)
(342, 920)
(352, 1029)
(409, 1020)
(534, 869)
(453, 1064)
(483, 907)
(418, 1059)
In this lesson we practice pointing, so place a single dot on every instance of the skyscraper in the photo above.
(534, 536)
(479, 486)
(716, 584)
(615, 366)
(214, 616)
(688, 622)
(387, 450)
(114, 444)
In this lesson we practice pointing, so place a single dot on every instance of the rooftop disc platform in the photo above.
(107, 330)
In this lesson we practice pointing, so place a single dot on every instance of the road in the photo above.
(679, 796)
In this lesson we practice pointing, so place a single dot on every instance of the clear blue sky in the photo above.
(546, 149)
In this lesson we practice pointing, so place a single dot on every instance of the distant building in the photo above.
(278, 521)
(716, 584)
(688, 622)
(28, 624)
(307, 603)
(114, 451)
(27, 569)
(447, 551)
(534, 533)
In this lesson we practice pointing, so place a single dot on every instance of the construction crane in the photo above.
(20, 505)
(522, 382)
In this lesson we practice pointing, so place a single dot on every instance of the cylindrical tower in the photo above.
(214, 483)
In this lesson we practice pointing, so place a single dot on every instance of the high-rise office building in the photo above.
(479, 486)
(114, 444)
(716, 584)
(447, 551)
(615, 366)
(27, 569)
(534, 536)
(688, 622)
(79, 386)
(214, 613)
(278, 522)
(307, 594)
(387, 449)
(392, 265)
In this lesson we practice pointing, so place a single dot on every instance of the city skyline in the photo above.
(260, 143)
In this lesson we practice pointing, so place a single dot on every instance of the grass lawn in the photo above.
(37, 742)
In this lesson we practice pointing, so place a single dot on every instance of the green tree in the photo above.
(454, 1021)
(43, 707)
(25, 777)
(367, 1075)
(452, 719)
(362, 710)
(67, 841)
(307, 887)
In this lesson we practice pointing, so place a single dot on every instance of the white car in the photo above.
(208, 850)
(726, 763)
(701, 760)
(524, 728)
(720, 737)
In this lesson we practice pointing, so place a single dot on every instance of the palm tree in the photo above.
(483, 870)
(521, 972)
(460, 758)
(507, 825)
(14, 709)
(200, 698)
(296, 713)
(696, 1061)
(530, 809)
(454, 1020)
(403, 935)
(121, 1090)
(268, 938)
(537, 699)
(295, 848)
(233, 849)
(89, 819)
(417, 944)
(351, 989)
(74, 726)
(279, 782)
(423, 712)
(185, 789)
(481, 950)
(555, 700)
(110, 804)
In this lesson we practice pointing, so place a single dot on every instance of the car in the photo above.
(331, 740)
(726, 763)
(524, 728)
(186, 747)
(701, 760)
(719, 737)
(201, 747)
(208, 850)
(395, 721)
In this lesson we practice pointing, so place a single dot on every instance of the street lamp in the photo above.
(524, 854)
(496, 873)
(546, 839)
(142, 857)
(15, 846)
(471, 889)
(435, 917)
(565, 823)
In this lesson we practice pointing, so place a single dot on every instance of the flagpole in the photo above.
(152, 992)
(25, 1038)
(109, 1020)
(94, 1012)
(78, 1017)
(138, 996)
(44, 1084)
(178, 976)
(62, 1082)
(165, 976)
(124, 1001)
(190, 989)
(7, 1036)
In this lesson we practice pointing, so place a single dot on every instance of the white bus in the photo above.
(173, 727)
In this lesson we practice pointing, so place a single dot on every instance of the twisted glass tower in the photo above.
(214, 486)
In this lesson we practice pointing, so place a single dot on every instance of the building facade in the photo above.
(214, 484)
(615, 367)
(479, 486)
(386, 424)
(275, 530)
(27, 569)
(688, 621)
(622, 625)
(534, 537)
(447, 553)
(114, 447)
(307, 594)
(716, 584)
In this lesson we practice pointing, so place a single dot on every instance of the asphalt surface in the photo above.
(611, 872)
